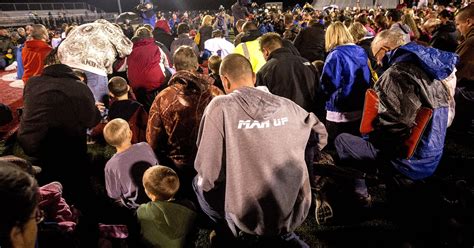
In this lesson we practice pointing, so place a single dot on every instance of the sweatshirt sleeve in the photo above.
(210, 159)
(121, 43)
(320, 131)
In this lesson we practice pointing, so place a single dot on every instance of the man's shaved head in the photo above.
(236, 71)
(236, 66)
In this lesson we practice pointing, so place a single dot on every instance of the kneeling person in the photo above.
(164, 221)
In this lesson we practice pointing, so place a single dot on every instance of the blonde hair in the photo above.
(358, 31)
(207, 20)
(161, 182)
(116, 132)
(336, 35)
(409, 20)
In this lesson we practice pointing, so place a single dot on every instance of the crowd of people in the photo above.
(217, 119)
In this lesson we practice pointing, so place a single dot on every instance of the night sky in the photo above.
(111, 5)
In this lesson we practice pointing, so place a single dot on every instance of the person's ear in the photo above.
(254, 78)
(128, 88)
(16, 237)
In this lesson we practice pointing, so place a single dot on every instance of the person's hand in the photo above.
(100, 106)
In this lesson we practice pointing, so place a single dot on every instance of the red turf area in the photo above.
(13, 98)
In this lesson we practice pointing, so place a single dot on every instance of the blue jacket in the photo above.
(345, 78)
(413, 81)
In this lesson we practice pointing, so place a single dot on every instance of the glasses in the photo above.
(39, 216)
(384, 49)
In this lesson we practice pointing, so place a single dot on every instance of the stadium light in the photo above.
(119, 6)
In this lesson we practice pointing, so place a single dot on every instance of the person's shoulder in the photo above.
(112, 163)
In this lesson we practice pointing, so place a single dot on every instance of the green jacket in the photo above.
(165, 224)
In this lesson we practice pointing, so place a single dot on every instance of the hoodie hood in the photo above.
(192, 81)
(257, 102)
(436, 63)
(143, 42)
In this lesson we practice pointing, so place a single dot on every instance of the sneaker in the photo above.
(323, 210)
(364, 201)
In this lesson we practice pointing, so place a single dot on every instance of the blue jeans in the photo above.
(357, 153)
(290, 240)
(19, 61)
(98, 85)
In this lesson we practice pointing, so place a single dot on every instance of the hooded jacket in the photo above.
(250, 161)
(290, 76)
(175, 116)
(344, 80)
(33, 55)
(146, 65)
(445, 37)
(413, 80)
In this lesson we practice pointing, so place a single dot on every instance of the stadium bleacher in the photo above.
(20, 14)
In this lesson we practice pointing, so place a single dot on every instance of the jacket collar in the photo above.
(59, 71)
(280, 52)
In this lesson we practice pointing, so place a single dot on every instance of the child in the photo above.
(122, 171)
(214, 63)
(164, 222)
(125, 108)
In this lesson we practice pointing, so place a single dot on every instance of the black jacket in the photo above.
(310, 43)
(58, 109)
(290, 76)
(205, 33)
(367, 45)
(445, 37)
(163, 37)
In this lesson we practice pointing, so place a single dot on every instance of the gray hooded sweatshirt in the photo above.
(250, 160)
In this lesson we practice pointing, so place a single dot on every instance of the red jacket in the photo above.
(146, 65)
(33, 55)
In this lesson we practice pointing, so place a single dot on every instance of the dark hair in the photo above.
(446, 14)
(381, 21)
(19, 193)
(52, 58)
(183, 28)
(395, 14)
(217, 33)
(80, 74)
(118, 86)
(249, 26)
(271, 41)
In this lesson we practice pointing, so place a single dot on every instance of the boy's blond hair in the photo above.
(161, 182)
(214, 63)
(116, 132)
